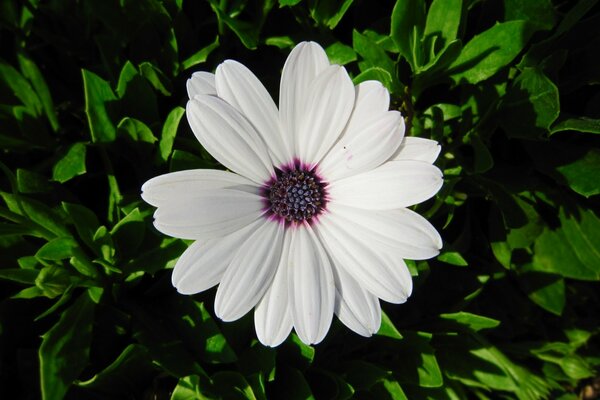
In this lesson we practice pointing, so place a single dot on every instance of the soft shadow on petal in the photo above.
(272, 317)
(364, 146)
(402, 232)
(214, 213)
(203, 264)
(201, 82)
(330, 100)
(305, 62)
(415, 148)
(229, 137)
(394, 184)
(237, 85)
(375, 268)
(311, 286)
(356, 308)
(163, 189)
(250, 273)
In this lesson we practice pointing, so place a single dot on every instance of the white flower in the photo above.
(312, 218)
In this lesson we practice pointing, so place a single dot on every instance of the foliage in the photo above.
(91, 97)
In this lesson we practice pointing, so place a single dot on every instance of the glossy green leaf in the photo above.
(25, 276)
(580, 124)
(232, 385)
(31, 71)
(20, 88)
(128, 373)
(32, 182)
(190, 388)
(330, 12)
(531, 105)
(442, 23)
(582, 174)
(129, 232)
(156, 77)
(453, 258)
(57, 249)
(98, 97)
(71, 164)
(575, 243)
(85, 221)
(407, 27)
(201, 55)
(387, 328)
(65, 349)
(169, 131)
(471, 321)
(339, 53)
(136, 130)
(537, 12)
(488, 52)
(545, 290)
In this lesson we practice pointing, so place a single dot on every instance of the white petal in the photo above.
(365, 145)
(358, 309)
(229, 137)
(329, 104)
(201, 82)
(162, 189)
(394, 184)
(213, 213)
(372, 98)
(203, 264)
(305, 62)
(373, 266)
(415, 148)
(237, 85)
(250, 273)
(272, 317)
(402, 231)
(311, 286)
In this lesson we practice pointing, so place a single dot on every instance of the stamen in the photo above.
(295, 194)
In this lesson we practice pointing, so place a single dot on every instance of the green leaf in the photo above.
(281, 42)
(156, 78)
(407, 26)
(25, 276)
(39, 213)
(136, 130)
(233, 385)
(128, 373)
(572, 250)
(190, 388)
(488, 52)
(471, 321)
(57, 249)
(330, 12)
(247, 33)
(416, 351)
(387, 327)
(376, 74)
(201, 55)
(31, 71)
(443, 21)
(32, 182)
(375, 56)
(154, 259)
(341, 54)
(169, 131)
(129, 232)
(86, 223)
(98, 95)
(537, 12)
(545, 290)
(20, 88)
(71, 164)
(530, 105)
(65, 349)
(453, 258)
(580, 124)
(582, 174)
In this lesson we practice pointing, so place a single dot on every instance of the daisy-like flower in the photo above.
(312, 218)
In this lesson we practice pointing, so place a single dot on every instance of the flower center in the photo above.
(295, 195)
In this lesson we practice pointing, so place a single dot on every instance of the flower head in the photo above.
(312, 218)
